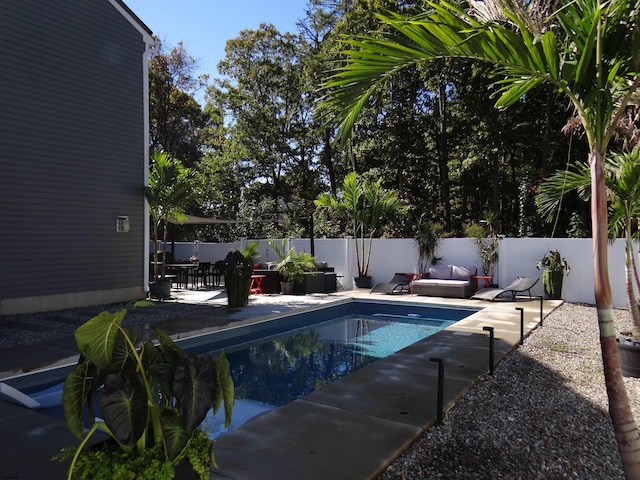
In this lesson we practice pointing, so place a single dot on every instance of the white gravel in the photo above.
(542, 416)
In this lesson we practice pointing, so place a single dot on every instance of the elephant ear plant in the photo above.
(153, 397)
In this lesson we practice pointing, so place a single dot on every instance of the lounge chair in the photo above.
(519, 285)
(51, 397)
(398, 284)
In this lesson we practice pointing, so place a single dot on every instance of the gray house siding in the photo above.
(72, 154)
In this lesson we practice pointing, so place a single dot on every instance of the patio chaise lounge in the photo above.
(51, 397)
(519, 285)
(398, 284)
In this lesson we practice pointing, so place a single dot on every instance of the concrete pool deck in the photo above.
(349, 429)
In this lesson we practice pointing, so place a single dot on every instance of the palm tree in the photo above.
(622, 179)
(588, 49)
(367, 207)
(169, 190)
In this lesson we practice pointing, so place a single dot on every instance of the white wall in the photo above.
(517, 257)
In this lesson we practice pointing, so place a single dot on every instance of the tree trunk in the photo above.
(327, 157)
(443, 156)
(624, 425)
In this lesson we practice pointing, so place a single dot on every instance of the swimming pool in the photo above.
(271, 371)
(358, 333)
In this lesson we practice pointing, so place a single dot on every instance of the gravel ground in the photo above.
(39, 328)
(542, 416)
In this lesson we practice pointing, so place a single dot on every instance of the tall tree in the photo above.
(177, 123)
(590, 52)
(265, 97)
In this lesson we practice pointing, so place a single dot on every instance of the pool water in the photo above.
(269, 373)
(277, 361)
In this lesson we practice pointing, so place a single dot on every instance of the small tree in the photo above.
(169, 190)
(428, 237)
(366, 207)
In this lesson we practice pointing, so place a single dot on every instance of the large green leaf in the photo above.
(224, 389)
(76, 391)
(172, 354)
(124, 408)
(175, 435)
(193, 388)
(121, 357)
(96, 338)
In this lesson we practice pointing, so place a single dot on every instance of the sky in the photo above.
(204, 26)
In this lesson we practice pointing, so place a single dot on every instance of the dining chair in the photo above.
(201, 275)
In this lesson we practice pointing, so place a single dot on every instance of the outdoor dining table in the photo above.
(183, 270)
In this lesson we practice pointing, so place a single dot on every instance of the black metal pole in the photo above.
(440, 389)
(491, 356)
(541, 311)
(521, 324)
(312, 246)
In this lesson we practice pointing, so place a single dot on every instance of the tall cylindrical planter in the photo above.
(237, 279)
(629, 351)
(553, 286)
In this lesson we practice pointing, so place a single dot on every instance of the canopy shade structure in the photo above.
(195, 220)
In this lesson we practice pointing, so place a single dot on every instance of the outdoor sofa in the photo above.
(450, 281)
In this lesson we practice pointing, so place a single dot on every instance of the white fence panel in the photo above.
(517, 257)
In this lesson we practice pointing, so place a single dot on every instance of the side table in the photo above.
(486, 278)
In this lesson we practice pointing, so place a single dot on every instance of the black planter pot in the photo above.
(362, 282)
(629, 351)
(286, 287)
(555, 290)
(160, 289)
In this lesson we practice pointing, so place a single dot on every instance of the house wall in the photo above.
(72, 154)
(517, 257)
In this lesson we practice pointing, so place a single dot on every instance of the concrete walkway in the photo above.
(350, 429)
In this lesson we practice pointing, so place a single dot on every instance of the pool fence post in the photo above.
(541, 312)
(521, 324)
(491, 338)
(440, 388)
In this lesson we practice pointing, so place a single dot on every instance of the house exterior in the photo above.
(73, 154)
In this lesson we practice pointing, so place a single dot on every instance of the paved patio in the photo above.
(349, 429)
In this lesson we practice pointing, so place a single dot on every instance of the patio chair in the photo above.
(519, 285)
(218, 272)
(398, 284)
(51, 397)
(202, 272)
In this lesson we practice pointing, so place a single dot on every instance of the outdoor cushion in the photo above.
(441, 272)
(440, 281)
(462, 273)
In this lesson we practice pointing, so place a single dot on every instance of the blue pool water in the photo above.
(277, 361)
(271, 372)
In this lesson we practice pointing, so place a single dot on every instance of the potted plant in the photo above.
(428, 237)
(237, 274)
(365, 206)
(151, 398)
(486, 241)
(553, 268)
(170, 188)
(292, 265)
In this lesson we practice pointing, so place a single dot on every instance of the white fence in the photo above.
(516, 257)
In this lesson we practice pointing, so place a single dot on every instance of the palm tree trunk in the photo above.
(629, 270)
(635, 270)
(624, 426)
